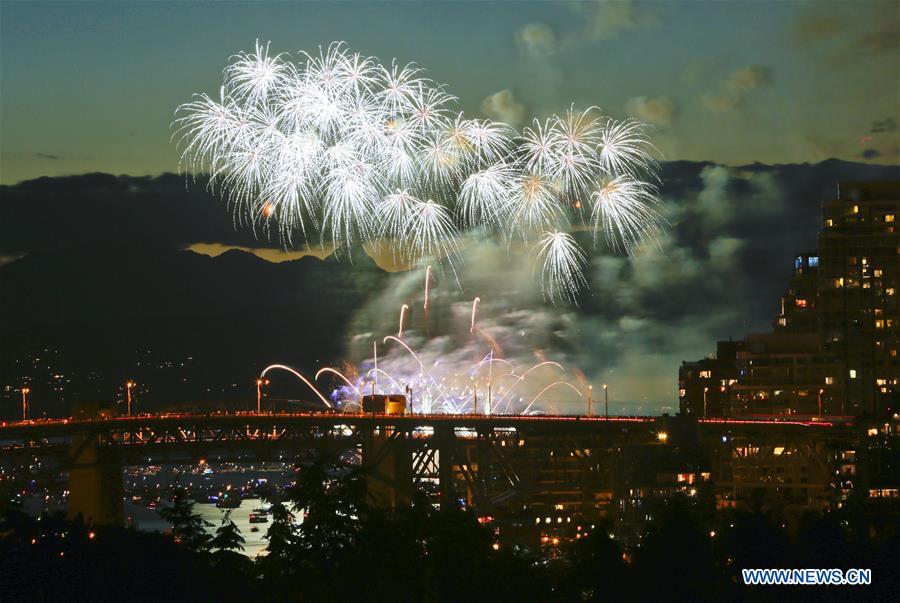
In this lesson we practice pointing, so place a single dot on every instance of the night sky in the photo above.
(759, 109)
(93, 86)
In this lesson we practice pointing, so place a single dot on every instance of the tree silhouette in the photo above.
(228, 536)
(188, 527)
(331, 499)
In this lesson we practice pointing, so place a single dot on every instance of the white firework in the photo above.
(623, 210)
(428, 232)
(337, 146)
(562, 266)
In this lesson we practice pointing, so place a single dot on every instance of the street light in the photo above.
(590, 400)
(705, 389)
(25, 392)
(129, 385)
(259, 384)
(821, 391)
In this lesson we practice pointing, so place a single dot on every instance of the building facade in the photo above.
(834, 345)
(859, 316)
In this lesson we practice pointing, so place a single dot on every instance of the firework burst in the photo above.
(338, 147)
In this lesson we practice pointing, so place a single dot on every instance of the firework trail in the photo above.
(474, 310)
(403, 310)
(339, 147)
(297, 374)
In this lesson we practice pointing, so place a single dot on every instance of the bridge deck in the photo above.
(542, 423)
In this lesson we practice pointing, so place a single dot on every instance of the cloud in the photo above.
(888, 124)
(48, 156)
(658, 111)
(809, 29)
(605, 20)
(735, 88)
(842, 35)
(504, 107)
(882, 40)
(536, 40)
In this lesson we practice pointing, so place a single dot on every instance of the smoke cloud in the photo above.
(658, 111)
(503, 106)
(735, 88)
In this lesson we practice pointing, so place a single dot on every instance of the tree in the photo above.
(228, 536)
(331, 499)
(277, 566)
(595, 570)
(280, 534)
(188, 527)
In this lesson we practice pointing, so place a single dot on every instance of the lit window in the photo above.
(839, 282)
(705, 374)
(829, 380)
(889, 290)
(814, 259)
(876, 273)
(853, 373)
(888, 217)
(855, 209)
(801, 303)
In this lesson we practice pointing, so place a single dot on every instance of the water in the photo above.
(149, 520)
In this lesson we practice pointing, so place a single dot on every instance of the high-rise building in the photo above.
(786, 373)
(703, 385)
(834, 348)
(798, 305)
(858, 311)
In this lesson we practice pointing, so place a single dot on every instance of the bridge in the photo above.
(547, 464)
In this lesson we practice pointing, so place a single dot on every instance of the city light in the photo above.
(129, 385)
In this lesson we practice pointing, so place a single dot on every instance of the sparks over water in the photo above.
(337, 147)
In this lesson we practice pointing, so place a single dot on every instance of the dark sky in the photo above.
(93, 86)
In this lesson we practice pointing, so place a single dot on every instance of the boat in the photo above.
(229, 502)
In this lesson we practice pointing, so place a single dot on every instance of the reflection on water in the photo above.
(149, 519)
